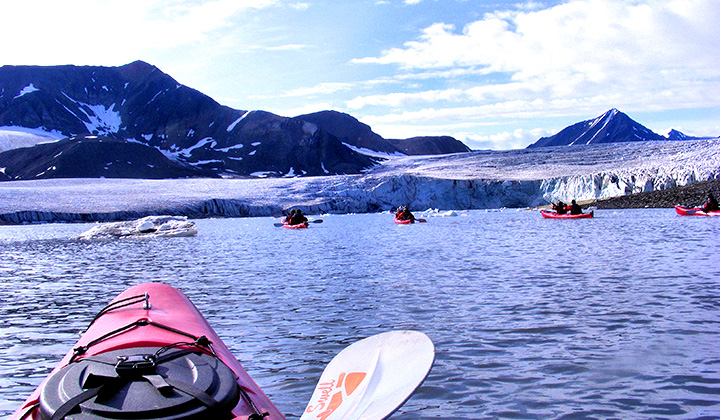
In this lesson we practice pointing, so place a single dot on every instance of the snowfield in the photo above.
(475, 180)
(15, 137)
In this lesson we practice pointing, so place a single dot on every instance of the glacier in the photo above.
(473, 180)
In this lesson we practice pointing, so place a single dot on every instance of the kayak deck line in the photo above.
(200, 342)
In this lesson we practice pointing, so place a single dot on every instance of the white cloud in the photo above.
(400, 99)
(647, 51)
(300, 6)
(305, 109)
(320, 89)
(517, 139)
(287, 47)
(115, 31)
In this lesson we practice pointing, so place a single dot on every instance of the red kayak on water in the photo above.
(684, 211)
(404, 222)
(553, 215)
(151, 355)
(303, 225)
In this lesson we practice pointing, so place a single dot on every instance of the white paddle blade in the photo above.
(372, 378)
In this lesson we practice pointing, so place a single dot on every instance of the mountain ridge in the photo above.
(139, 102)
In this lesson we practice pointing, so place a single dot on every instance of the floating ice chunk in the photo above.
(147, 227)
(438, 213)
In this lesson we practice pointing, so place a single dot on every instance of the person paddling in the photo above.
(404, 214)
(297, 218)
(289, 217)
(575, 208)
(560, 208)
(711, 204)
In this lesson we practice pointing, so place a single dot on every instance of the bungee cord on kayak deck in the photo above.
(80, 350)
(121, 304)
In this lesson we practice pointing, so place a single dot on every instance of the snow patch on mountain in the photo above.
(231, 127)
(27, 89)
(372, 153)
(226, 149)
(15, 137)
(101, 120)
(187, 152)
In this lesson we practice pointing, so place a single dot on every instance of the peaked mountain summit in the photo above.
(611, 127)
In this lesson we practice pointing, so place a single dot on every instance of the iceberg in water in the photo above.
(147, 227)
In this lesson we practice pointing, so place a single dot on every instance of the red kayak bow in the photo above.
(149, 354)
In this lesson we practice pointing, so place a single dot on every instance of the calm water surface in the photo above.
(617, 317)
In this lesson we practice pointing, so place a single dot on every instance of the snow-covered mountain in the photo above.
(139, 103)
(92, 157)
(476, 180)
(678, 135)
(611, 127)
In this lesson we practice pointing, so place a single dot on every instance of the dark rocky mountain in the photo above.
(430, 145)
(351, 131)
(138, 102)
(611, 127)
(92, 157)
(678, 135)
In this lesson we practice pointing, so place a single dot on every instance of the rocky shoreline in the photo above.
(692, 195)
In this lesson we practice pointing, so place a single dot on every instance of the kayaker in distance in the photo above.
(404, 214)
(560, 208)
(711, 204)
(289, 217)
(297, 218)
(575, 208)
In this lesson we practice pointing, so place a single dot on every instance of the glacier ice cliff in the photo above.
(474, 180)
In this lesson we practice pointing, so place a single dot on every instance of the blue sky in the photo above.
(495, 74)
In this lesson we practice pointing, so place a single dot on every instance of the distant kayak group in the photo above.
(563, 211)
(297, 220)
(560, 210)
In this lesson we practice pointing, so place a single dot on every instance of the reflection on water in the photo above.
(614, 317)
